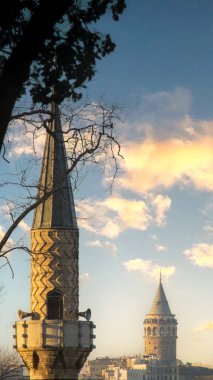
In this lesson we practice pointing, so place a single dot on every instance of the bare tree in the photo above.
(90, 138)
(9, 362)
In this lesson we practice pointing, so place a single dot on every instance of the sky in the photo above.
(159, 212)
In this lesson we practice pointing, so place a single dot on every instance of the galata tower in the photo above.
(160, 329)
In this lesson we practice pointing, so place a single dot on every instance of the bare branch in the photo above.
(90, 138)
(24, 114)
(9, 361)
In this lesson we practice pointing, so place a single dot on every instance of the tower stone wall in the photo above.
(160, 336)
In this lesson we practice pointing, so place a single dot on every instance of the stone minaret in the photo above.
(160, 329)
(53, 343)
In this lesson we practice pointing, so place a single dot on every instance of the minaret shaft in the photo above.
(54, 235)
(54, 344)
(54, 267)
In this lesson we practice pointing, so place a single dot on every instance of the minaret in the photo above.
(160, 329)
(54, 344)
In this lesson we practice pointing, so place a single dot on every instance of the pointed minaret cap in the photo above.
(58, 211)
(160, 304)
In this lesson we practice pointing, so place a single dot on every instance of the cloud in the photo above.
(111, 247)
(9, 241)
(166, 104)
(162, 204)
(160, 248)
(94, 243)
(208, 228)
(28, 144)
(24, 226)
(167, 162)
(149, 268)
(2, 233)
(84, 278)
(113, 215)
(206, 326)
(200, 254)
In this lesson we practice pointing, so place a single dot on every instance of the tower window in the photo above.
(54, 305)
(162, 331)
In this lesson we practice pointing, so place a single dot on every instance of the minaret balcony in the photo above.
(41, 334)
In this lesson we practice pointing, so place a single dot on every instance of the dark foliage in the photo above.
(49, 43)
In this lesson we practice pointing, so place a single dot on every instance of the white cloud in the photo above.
(200, 254)
(9, 241)
(208, 228)
(84, 278)
(24, 226)
(205, 326)
(111, 247)
(113, 215)
(160, 248)
(149, 268)
(28, 144)
(166, 104)
(94, 243)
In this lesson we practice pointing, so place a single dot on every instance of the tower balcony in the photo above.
(160, 320)
(47, 334)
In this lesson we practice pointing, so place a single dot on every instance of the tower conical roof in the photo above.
(160, 304)
(58, 211)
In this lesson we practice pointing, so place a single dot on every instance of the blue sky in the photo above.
(159, 214)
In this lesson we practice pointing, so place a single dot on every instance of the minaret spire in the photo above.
(58, 210)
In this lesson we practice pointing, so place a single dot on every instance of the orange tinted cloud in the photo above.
(113, 215)
(205, 326)
(163, 163)
(201, 255)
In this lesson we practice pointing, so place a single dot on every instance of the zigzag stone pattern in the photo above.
(54, 265)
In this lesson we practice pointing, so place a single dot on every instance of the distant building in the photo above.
(190, 372)
(95, 368)
(160, 329)
(159, 361)
(117, 373)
